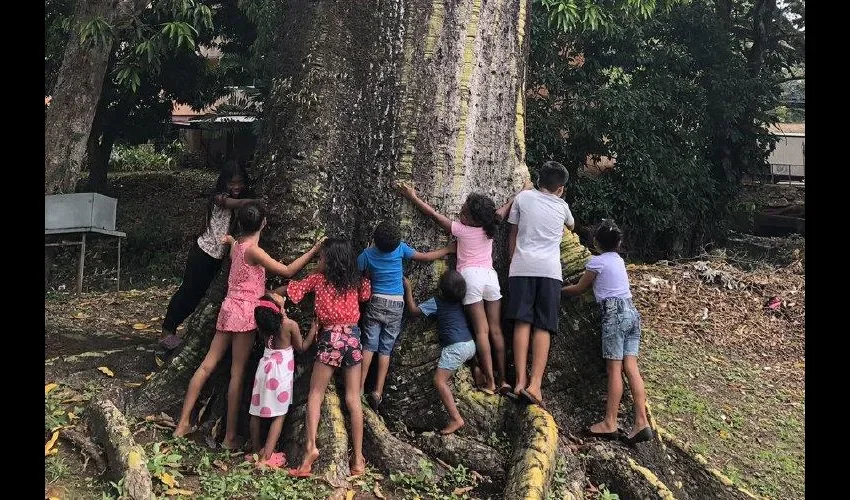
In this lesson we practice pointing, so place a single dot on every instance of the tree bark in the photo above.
(375, 92)
(69, 117)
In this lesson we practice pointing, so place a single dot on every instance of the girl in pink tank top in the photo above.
(236, 326)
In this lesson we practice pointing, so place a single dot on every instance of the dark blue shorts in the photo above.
(534, 300)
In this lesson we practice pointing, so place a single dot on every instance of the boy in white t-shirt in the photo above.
(620, 331)
(537, 219)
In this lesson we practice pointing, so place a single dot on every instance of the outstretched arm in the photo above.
(505, 209)
(409, 192)
(583, 284)
(259, 256)
(435, 254)
(225, 201)
(409, 303)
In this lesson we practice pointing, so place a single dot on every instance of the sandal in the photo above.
(528, 397)
(276, 461)
(645, 434)
(170, 342)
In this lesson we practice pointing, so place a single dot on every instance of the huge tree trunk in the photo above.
(68, 120)
(433, 92)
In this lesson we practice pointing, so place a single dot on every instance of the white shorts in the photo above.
(481, 284)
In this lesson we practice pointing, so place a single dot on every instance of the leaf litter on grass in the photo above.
(724, 369)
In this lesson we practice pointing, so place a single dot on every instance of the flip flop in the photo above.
(374, 401)
(530, 399)
(276, 461)
(505, 389)
(297, 473)
(487, 391)
(645, 434)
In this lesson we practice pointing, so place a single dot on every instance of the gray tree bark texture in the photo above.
(69, 117)
(428, 91)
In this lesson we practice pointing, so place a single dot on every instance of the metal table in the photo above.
(83, 231)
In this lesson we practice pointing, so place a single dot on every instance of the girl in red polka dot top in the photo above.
(339, 289)
(272, 389)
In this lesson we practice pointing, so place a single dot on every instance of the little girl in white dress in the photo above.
(272, 389)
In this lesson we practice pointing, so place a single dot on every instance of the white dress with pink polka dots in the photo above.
(272, 390)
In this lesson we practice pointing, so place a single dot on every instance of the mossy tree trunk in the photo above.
(373, 92)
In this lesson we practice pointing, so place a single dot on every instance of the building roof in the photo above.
(788, 128)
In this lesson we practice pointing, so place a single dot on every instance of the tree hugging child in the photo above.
(338, 290)
(272, 388)
(455, 337)
(607, 274)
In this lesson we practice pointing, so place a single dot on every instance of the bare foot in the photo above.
(453, 426)
(231, 444)
(603, 428)
(182, 430)
(306, 466)
(358, 466)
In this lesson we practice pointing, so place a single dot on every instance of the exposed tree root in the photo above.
(126, 460)
(390, 453)
(89, 449)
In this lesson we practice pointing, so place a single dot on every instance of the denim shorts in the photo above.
(453, 356)
(381, 325)
(620, 328)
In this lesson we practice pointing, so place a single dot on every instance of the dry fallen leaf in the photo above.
(54, 493)
(72, 416)
(168, 480)
(48, 446)
(223, 466)
(176, 491)
(349, 495)
(159, 362)
(132, 384)
(49, 387)
(106, 371)
(140, 326)
(461, 491)
(80, 315)
(148, 376)
(378, 493)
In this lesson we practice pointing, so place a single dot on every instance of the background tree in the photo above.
(147, 33)
(682, 100)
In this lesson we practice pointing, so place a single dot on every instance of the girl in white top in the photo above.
(205, 256)
(607, 274)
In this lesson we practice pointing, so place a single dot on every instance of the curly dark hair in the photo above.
(608, 236)
(340, 264)
(249, 219)
(452, 286)
(482, 211)
(268, 320)
(387, 236)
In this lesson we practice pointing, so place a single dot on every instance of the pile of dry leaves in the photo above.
(758, 314)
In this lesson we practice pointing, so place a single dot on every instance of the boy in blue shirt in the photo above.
(382, 320)
(455, 337)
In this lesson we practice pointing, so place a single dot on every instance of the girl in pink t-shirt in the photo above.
(478, 221)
